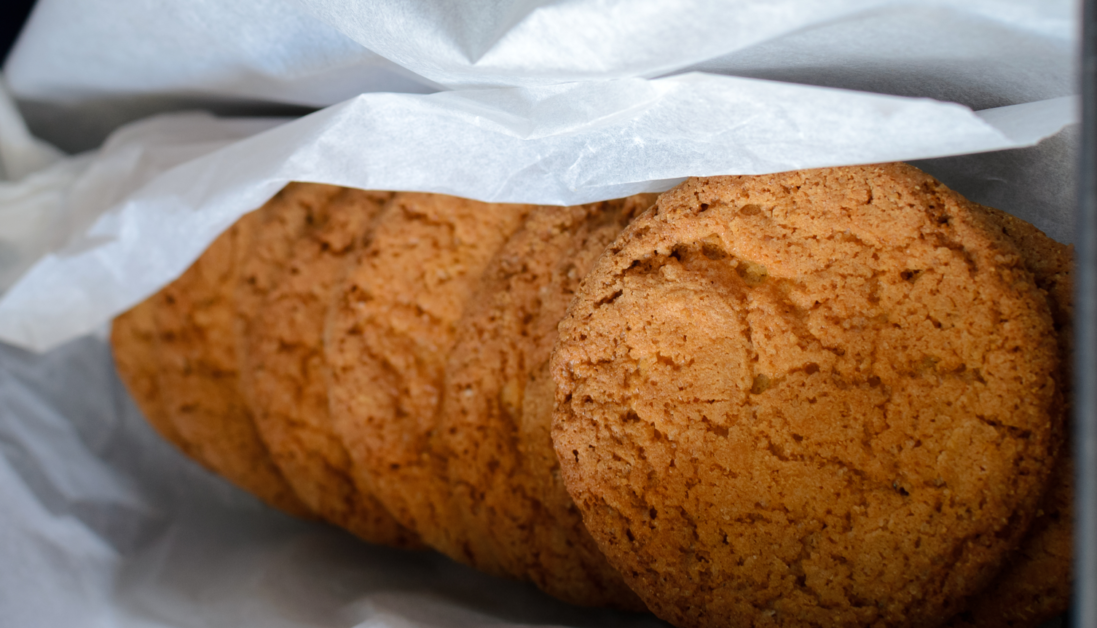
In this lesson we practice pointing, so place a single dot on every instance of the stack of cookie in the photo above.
(814, 398)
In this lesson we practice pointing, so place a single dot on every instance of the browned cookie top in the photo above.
(1035, 585)
(388, 337)
(276, 227)
(818, 397)
(1052, 267)
(281, 342)
(199, 377)
(135, 343)
(496, 411)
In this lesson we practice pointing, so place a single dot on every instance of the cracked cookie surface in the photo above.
(812, 398)
(135, 347)
(1036, 584)
(388, 337)
(496, 410)
(199, 374)
(297, 255)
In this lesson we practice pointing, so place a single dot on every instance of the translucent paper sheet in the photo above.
(547, 102)
(163, 189)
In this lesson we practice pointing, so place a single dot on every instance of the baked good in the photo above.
(810, 340)
(388, 336)
(496, 411)
(275, 229)
(297, 255)
(817, 397)
(199, 372)
(1035, 585)
(134, 342)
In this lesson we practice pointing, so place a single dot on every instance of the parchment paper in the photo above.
(163, 189)
(549, 102)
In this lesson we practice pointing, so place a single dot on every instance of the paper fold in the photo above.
(559, 145)
(539, 42)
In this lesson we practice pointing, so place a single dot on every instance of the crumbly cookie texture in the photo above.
(297, 254)
(1035, 586)
(812, 398)
(496, 412)
(276, 227)
(199, 379)
(135, 344)
(388, 336)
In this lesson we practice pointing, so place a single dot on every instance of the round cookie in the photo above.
(281, 355)
(496, 410)
(134, 343)
(1036, 584)
(819, 397)
(199, 380)
(388, 336)
(276, 227)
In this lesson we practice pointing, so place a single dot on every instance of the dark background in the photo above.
(12, 15)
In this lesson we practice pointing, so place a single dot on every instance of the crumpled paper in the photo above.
(163, 189)
(82, 71)
(551, 102)
(305, 52)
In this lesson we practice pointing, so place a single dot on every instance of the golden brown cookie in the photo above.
(496, 412)
(199, 375)
(282, 355)
(134, 343)
(1035, 586)
(276, 227)
(388, 337)
(819, 397)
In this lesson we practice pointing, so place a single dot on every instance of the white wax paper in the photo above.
(537, 42)
(550, 102)
(305, 52)
(160, 203)
(82, 70)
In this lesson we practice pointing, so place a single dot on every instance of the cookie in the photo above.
(134, 343)
(496, 410)
(297, 261)
(199, 374)
(819, 397)
(388, 336)
(276, 227)
(1035, 586)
